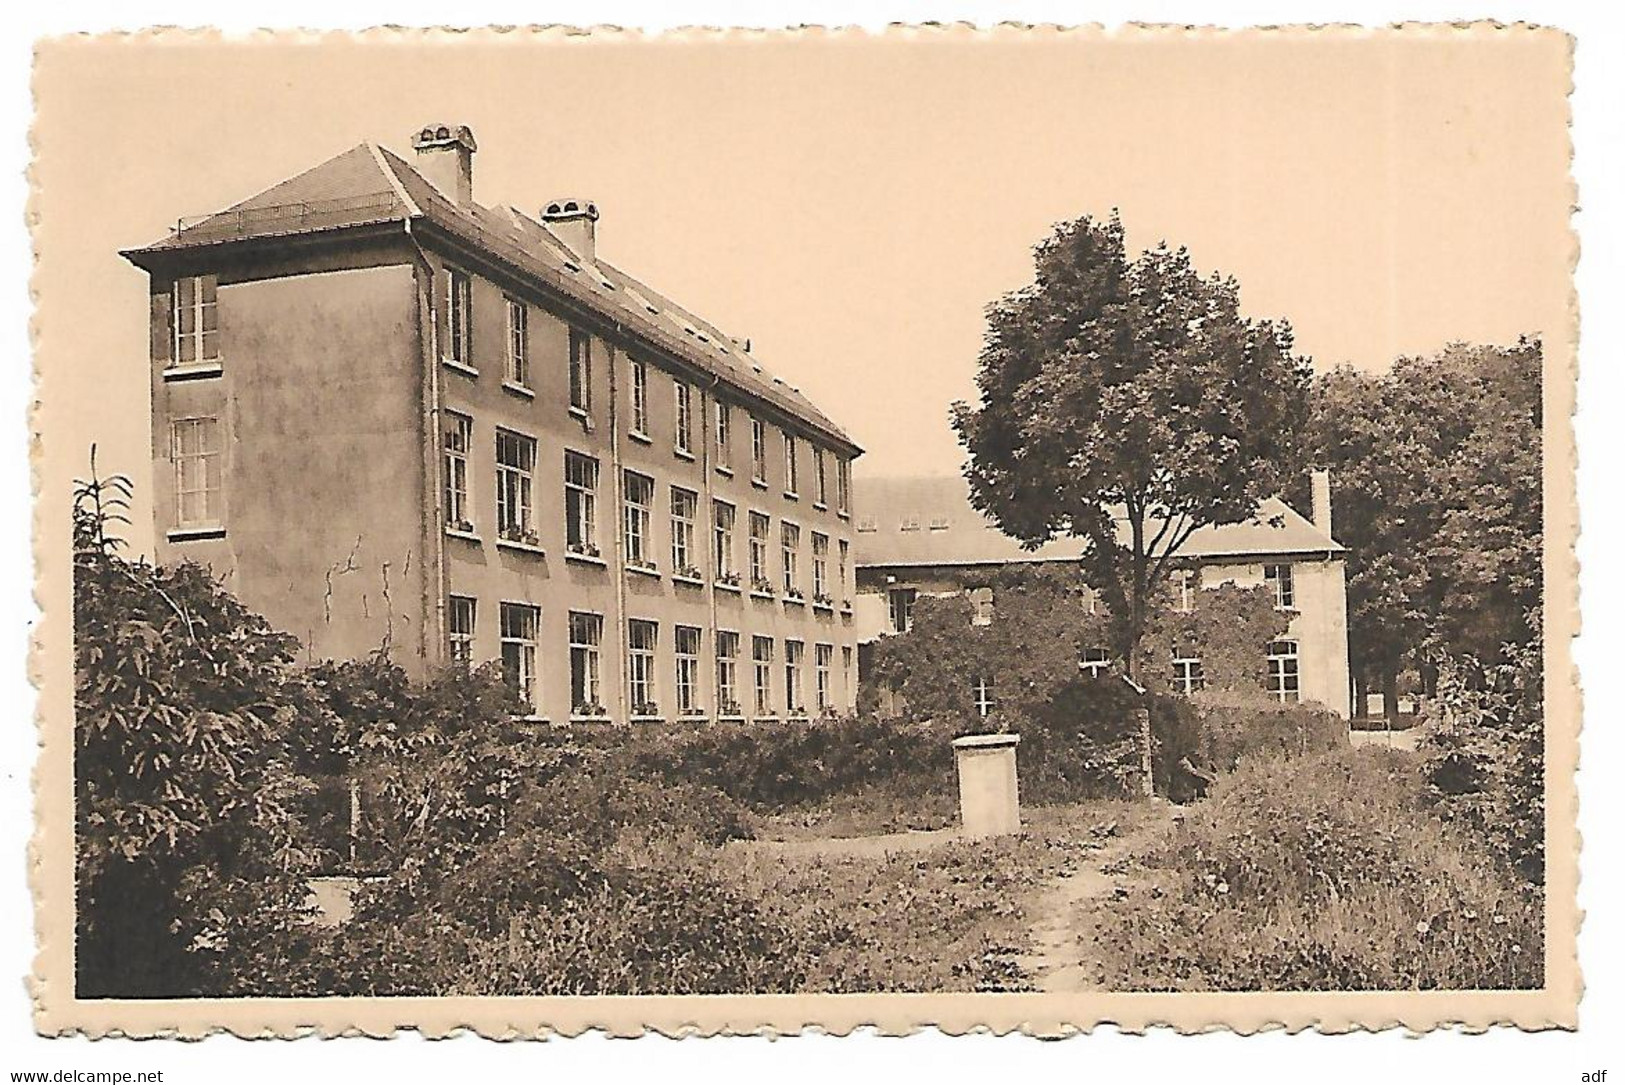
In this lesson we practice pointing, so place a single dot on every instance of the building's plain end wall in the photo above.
(319, 401)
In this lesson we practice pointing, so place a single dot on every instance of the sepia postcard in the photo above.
(1015, 529)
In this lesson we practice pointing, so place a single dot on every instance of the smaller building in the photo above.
(921, 536)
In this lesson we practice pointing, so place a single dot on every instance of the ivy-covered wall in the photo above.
(1043, 618)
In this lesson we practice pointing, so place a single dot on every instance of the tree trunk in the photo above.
(1390, 698)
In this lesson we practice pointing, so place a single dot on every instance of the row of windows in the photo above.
(518, 625)
(517, 374)
(516, 519)
(1281, 680)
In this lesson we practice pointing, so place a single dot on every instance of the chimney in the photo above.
(445, 156)
(1321, 482)
(573, 222)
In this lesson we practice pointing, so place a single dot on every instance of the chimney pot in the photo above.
(445, 157)
(1321, 484)
(574, 222)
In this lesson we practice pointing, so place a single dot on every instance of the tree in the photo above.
(1127, 402)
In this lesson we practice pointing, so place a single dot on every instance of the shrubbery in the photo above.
(1326, 873)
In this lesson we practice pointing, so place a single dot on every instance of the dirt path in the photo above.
(1056, 961)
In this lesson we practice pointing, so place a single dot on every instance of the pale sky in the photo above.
(853, 204)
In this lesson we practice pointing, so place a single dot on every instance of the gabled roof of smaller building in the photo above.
(370, 184)
(929, 520)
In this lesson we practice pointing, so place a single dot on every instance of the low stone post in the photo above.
(1142, 719)
(988, 803)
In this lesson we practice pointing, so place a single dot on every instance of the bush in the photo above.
(1325, 872)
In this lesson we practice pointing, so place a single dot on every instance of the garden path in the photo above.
(1057, 960)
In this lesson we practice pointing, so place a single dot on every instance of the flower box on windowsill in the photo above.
(192, 371)
(796, 717)
(462, 529)
(766, 719)
(693, 715)
(647, 568)
(760, 588)
(727, 582)
(586, 553)
(823, 601)
(589, 713)
(648, 719)
(647, 712)
(793, 595)
(462, 367)
(730, 710)
(846, 606)
(519, 389)
(692, 580)
(520, 539)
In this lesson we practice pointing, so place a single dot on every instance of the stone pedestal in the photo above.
(988, 804)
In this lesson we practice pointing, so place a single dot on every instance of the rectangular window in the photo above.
(843, 485)
(794, 701)
(519, 622)
(1280, 578)
(518, 368)
(639, 492)
(640, 666)
(640, 397)
(685, 509)
(724, 435)
(981, 606)
(580, 370)
(687, 642)
(1095, 662)
(581, 503)
(727, 673)
(982, 695)
(723, 537)
(758, 451)
(758, 553)
(1188, 677)
(1283, 672)
(516, 468)
(194, 322)
(791, 478)
(790, 549)
(902, 608)
(843, 558)
(761, 657)
(823, 660)
(820, 569)
(684, 439)
(460, 611)
(196, 452)
(1091, 600)
(1186, 584)
(458, 342)
(846, 670)
(455, 443)
(820, 480)
(586, 641)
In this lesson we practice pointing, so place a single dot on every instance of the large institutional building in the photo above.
(922, 536)
(392, 418)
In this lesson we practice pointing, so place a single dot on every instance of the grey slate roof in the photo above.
(369, 184)
(922, 520)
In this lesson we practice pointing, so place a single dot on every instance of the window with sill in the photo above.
(456, 440)
(982, 695)
(1095, 662)
(901, 602)
(639, 493)
(519, 622)
(640, 396)
(460, 614)
(727, 643)
(517, 370)
(759, 526)
(683, 439)
(761, 655)
(758, 450)
(820, 480)
(823, 660)
(981, 606)
(580, 370)
(791, 479)
(1283, 671)
(820, 568)
(843, 485)
(846, 669)
(586, 640)
(458, 339)
(196, 451)
(516, 467)
(686, 642)
(641, 639)
(843, 558)
(685, 509)
(1186, 583)
(724, 435)
(581, 504)
(723, 538)
(1188, 677)
(1279, 577)
(790, 549)
(194, 322)
(794, 701)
